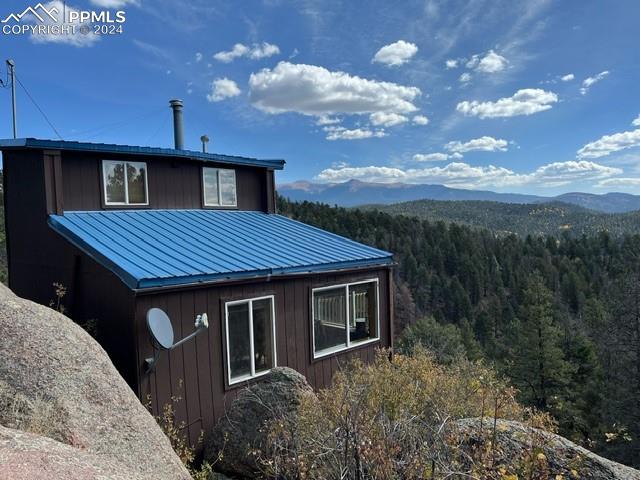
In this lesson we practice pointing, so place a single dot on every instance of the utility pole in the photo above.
(11, 65)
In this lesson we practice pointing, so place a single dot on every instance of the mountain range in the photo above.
(548, 218)
(356, 192)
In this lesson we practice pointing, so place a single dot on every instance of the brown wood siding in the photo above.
(38, 257)
(196, 371)
(173, 183)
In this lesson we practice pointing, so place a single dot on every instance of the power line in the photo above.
(92, 132)
(164, 122)
(44, 115)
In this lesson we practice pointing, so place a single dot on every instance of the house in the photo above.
(126, 229)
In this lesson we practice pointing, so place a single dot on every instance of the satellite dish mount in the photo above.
(161, 331)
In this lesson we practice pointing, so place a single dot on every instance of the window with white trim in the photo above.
(125, 183)
(219, 186)
(344, 316)
(251, 338)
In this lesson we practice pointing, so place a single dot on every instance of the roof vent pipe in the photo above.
(178, 131)
(204, 139)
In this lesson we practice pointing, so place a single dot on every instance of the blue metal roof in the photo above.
(7, 144)
(153, 248)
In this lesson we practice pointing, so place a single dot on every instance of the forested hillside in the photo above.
(522, 219)
(559, 315)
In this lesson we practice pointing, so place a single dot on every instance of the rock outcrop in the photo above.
(26, 456)
(564, 459)
(240, 434)
(58, 384)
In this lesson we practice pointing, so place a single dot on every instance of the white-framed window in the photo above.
(250, 332)
(219, 187)
(344, 315)
(125, 183)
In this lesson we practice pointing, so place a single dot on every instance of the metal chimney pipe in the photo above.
(204, 139)
(178, 130)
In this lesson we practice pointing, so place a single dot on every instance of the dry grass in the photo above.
(37, 415)
(397, 420)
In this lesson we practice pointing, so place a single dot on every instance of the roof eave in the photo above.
(34, 143)
(175, 283)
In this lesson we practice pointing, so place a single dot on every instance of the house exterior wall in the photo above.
(196, 371)
(38, 257)
(173, 182)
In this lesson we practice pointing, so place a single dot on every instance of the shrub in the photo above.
(396, 419)
(175, 432)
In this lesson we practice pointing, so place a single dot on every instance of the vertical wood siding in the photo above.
(173, 183)
(196, 372)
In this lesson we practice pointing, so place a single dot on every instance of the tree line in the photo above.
(558, 315)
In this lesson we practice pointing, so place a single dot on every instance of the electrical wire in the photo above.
(92, 132)
(44, 115)
(162, 124)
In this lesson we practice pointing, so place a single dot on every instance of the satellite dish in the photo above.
(161, 331)
(160, 327)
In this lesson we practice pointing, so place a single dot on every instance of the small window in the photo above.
(125, 183)
(250, 331)
(219, 187)
(344, 316)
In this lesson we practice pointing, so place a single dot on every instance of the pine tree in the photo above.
(539, 367)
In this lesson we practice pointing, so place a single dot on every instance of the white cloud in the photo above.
(198, 57)
(114, 3)
(463, 175)
(485, 144)
(562, 173)
(619, 182)
(430, 157)
(491, 63)
(255, 52)
(76, 39)
(395, 54)
(222, 88)
(473, 62)
(420, 120)
(327, 120)
(465, 77)
(568, 77)
(238, 50)
(590, 81)
(609, 144)
(316, 91)
(385, 119)
(524, 102)
(451, 63)
(636, 122)
(265, 50)
(341, 133)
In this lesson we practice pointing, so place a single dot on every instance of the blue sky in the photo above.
(533, 96)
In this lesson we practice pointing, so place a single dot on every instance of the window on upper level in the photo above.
(219, 186)
(125, 183)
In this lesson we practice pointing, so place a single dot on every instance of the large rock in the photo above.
(563, 457)
(57, 382)
(234, 443)
(26, 456)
